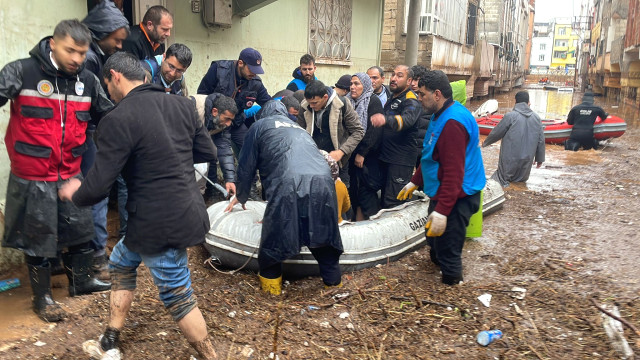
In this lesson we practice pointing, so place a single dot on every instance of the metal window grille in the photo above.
(330, 29)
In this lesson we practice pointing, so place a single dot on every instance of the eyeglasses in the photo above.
(177, 70)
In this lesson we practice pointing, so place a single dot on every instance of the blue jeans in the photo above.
(168, 269)
(122, 205)
(99, 212)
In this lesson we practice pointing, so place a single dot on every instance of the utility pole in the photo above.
(413, 23)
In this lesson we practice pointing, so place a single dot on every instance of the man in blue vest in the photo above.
(238, 80)
(452, 172)
(303, 74)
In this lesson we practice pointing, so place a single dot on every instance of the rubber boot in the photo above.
(43, 305)
(271, 286)
(100, 267)
(80, 274)
(333, 286)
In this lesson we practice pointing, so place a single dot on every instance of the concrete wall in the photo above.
(280, 32)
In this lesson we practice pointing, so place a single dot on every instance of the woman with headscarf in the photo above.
(367, 106)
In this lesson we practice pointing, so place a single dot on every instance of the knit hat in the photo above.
(344, 82)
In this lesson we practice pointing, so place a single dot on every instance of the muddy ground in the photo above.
(569, 236)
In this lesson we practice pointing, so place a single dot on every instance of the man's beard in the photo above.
(216, 123)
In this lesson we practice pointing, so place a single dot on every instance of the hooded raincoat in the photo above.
(102, 20)
(522, 141)
(300, 193)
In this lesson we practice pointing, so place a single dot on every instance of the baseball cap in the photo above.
(344, 82)
(253, 59)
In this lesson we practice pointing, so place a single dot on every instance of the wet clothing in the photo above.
(336, 127)
(522, 138)
(129, 139)
(298, 82)
(582, 118)
(168, 269)
(451, 171)
(177, 87)
(296, 181)
(38, 223)
(138, 44)
(39, 147)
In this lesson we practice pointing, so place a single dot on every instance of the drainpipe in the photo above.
(413, 22)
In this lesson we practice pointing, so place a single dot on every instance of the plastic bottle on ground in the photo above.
(487, 337)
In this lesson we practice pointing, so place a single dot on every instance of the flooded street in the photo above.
(569, 235)
(580, 206)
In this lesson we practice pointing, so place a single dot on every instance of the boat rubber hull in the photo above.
(234, 237)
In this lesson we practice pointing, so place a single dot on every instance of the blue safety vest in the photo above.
(474, 178)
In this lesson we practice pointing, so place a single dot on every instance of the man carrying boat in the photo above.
(582, 118)
(522, 138)
(300, 193)
(452, 172)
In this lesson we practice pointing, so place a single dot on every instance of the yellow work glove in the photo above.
(407, 191)
(436, 224)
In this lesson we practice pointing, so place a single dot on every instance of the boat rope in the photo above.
(209, 262)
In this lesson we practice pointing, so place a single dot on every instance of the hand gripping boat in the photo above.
(234, 237)
(558, 131)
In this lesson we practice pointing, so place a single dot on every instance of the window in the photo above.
(562, 31)
(442, 18)
(543, 46)
(471, 24)
(330, 30)
(560, 54)
(561, 42)
(541, 58)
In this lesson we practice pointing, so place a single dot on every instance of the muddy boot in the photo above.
(43, 305)
(107, 346)
(205, 349)
(271, 286)
(451, 280)
(100, 267)
(56, 265)
(80, 275)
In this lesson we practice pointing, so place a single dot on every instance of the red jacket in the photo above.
(49, 114)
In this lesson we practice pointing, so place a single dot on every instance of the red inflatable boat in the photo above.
(557, 131)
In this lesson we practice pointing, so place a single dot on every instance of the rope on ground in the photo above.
(209, 262)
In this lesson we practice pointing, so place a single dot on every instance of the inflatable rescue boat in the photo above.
(234, 238)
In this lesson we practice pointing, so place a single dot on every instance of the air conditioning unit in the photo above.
(217, 12)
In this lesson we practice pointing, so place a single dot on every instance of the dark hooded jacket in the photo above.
(300, 193)
(298, 82)
(582, 118)
(42, 98)
(102, 20)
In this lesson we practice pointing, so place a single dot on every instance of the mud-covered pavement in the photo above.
(568, 236)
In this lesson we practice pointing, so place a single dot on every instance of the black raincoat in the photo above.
(301, 196)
